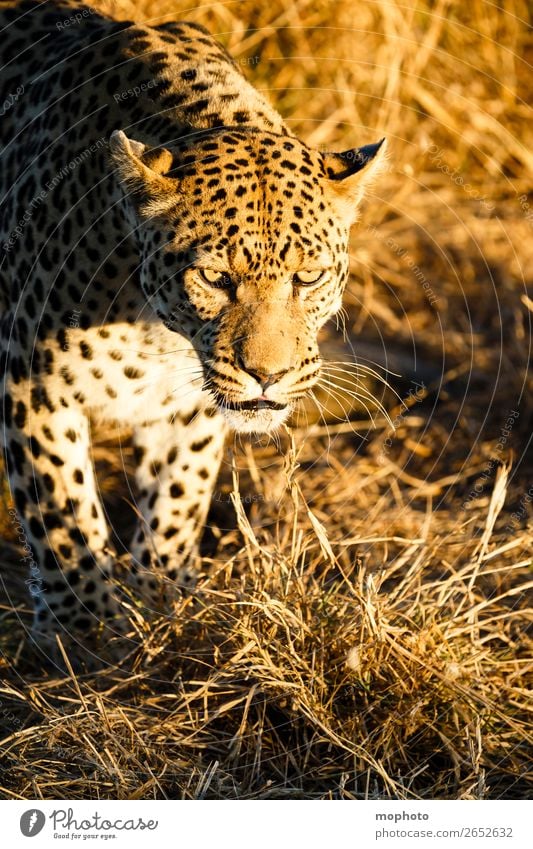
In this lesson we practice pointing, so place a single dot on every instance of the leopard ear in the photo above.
(142, 170)
(350, 173)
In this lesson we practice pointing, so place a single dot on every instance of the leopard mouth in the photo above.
(259, 415)
(253, 406)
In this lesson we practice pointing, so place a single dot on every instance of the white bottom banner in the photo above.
(267, 824)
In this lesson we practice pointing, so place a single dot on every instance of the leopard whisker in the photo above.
(340, 398)
(361, 397)
(357, 367)
(346, 384)
(321, 414)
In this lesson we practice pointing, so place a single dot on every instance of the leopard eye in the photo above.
(308, 278)
(218, 279)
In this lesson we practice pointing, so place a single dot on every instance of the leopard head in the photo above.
(244, 246)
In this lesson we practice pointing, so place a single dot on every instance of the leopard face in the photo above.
(243, 236)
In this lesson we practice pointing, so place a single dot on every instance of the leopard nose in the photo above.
(264, 378)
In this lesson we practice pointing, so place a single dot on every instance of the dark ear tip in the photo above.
(351, 161)
(368, 151)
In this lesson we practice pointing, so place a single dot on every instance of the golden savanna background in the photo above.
(361, 626)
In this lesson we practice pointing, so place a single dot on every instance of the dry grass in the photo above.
(361, 629)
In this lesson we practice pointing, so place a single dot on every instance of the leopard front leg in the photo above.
(178, 459)
(67, 547)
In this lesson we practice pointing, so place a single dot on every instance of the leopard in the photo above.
(170, 252)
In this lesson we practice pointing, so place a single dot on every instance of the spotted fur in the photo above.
(170, 252)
